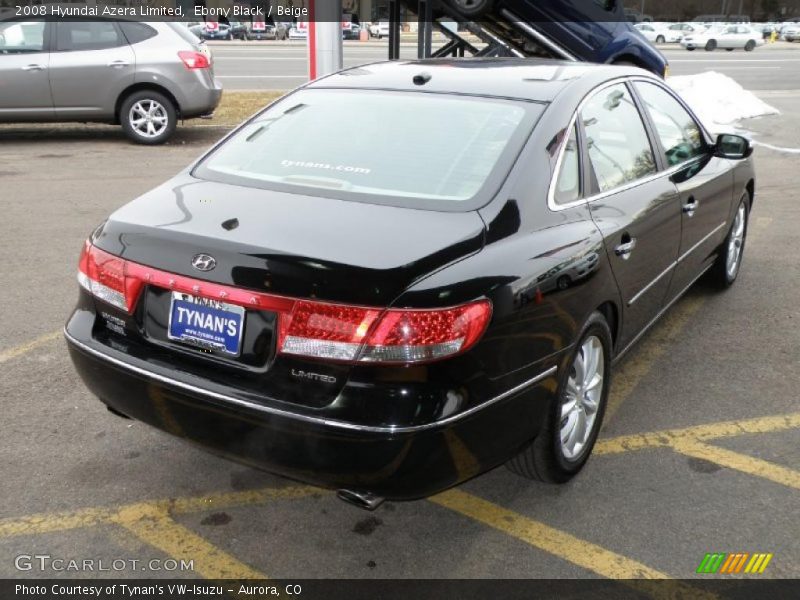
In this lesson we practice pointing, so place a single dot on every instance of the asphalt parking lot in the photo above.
(700, 451)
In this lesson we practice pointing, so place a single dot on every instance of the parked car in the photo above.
(214, 31)
(298, 33)
(341, 311)
(352, 31)
(729, 37)
(578, 29)
(239, 31)
(379, 30)
(261, 30)
(143, 76)
(791, 32)
(658, 33)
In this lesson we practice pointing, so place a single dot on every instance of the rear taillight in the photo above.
(194, 60)
(106, 276)
(333, 331)
(305, 328)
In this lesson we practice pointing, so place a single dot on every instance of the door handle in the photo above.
(626, 247)
(119, 63)
(34, 67)
(690, 206)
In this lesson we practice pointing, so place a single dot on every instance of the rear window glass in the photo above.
(182, 30)
(385, 147)
(136, 32)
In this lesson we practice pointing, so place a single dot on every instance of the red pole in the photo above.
(312, 41)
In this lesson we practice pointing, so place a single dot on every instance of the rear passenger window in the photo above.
(87, 35)
(568, 184)
(679, 133)
(616, 141)
(136, 32)
(18, 37)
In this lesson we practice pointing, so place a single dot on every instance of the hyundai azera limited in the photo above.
(392, 315)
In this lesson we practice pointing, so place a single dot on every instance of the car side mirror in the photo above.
(732, 146)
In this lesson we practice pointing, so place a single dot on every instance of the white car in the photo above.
(729, 37)
(657, 33)
(791, 32)
(297, 33)
(379, 30)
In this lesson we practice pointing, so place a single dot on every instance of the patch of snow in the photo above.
(718, 101)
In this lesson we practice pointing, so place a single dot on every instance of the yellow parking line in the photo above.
(18, 351)
(739, 462)
(153, 525)
(87, 517)
(564, 545)
(667, 437)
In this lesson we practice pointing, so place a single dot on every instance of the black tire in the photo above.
(471, 8)
(544, 459)
(145, 97)
(563, 282)
(729, 49)
(711, 45)
(749, 46)
(690, 49)
(660, 39)
(720, 274)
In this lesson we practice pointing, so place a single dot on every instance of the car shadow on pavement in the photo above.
(57, 132)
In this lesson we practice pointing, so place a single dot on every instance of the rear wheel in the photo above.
(726, 269)
(660, 39)
(570, 430)
(711, 45)
(148, 117)
(471, 8)
(690, 48)
(750, 45)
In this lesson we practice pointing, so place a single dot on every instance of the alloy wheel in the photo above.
(736, 242)
(148, 118)
(582, 397)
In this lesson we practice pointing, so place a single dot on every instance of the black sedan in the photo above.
(391, 315)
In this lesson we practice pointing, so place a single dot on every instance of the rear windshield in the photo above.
(409, 149)
(183, 31)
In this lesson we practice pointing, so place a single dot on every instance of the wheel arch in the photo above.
(142, 86)
(610, 313)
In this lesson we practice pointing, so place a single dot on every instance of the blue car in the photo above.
(589, 30)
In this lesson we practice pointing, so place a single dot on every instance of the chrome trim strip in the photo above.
(652, 283)
(309, 419)
(683, 256)
(658, 316)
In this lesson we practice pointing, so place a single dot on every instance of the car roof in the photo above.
(538, 80)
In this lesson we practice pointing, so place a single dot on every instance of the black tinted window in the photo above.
(679, 133)
(87, 35)
(617, 144)
(137, 32)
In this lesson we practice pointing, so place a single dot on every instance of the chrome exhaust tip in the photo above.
(364, 500)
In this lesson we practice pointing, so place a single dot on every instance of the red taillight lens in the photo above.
(350, 333)
(194, 60)
(106, 277)
(306, 328)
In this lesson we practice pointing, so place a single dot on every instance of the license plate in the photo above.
(206, 323)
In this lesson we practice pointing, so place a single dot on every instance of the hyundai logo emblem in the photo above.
(204, 262)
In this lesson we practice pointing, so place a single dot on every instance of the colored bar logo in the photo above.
(725, 563)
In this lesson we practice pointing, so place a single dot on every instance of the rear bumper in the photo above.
(392, 462)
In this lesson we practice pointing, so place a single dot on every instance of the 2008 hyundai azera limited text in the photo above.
(391, 315)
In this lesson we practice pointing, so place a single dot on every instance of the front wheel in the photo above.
(568, 435)
(711, 45)
(726, 269)
(148, 117)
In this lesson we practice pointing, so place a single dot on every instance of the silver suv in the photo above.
(143, 76)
